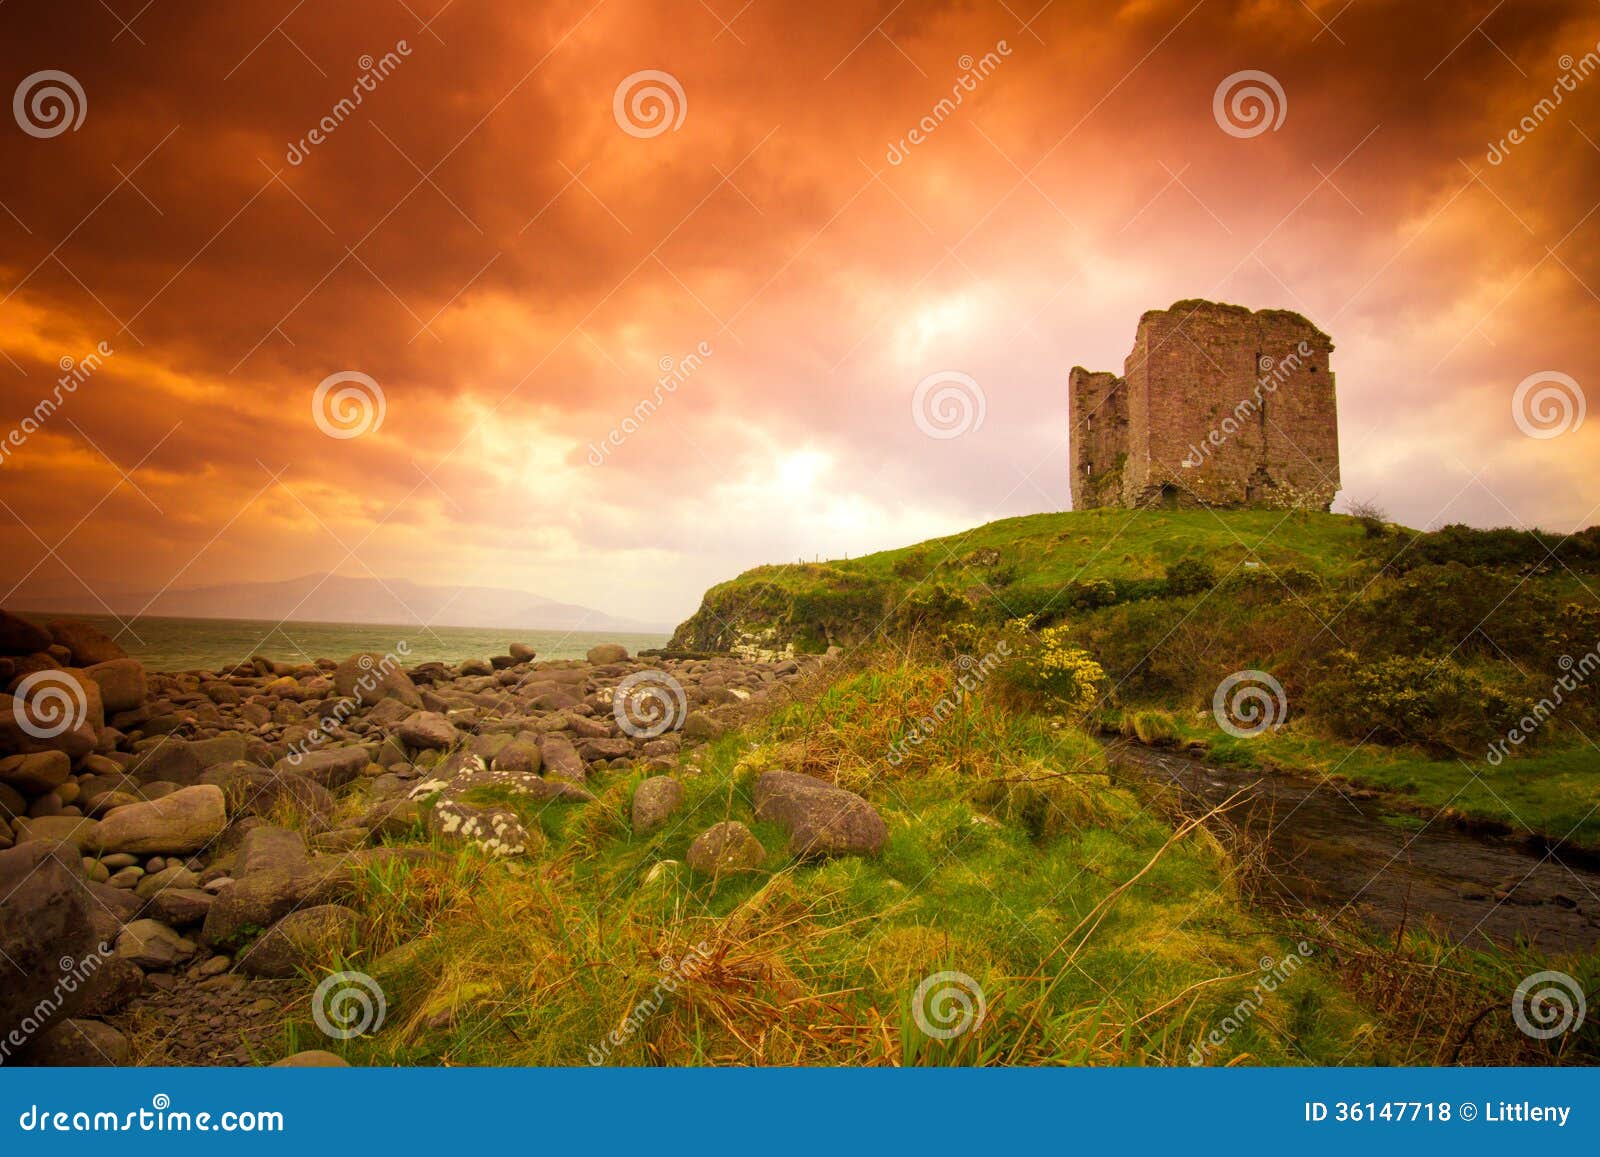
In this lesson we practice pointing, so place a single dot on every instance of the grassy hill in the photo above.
(1016, 566)
(1460, 667)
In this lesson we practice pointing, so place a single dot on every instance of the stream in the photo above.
(1328, 851)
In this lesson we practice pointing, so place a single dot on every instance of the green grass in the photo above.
(1019, 565)
(1098, 931)
(1553, 793)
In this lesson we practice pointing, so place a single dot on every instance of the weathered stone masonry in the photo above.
(1217, 406)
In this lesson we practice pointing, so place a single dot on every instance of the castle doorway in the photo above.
(1169, 497)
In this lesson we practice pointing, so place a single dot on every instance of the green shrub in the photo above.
(1190, 576)
(1434, 703)
(1047, 663)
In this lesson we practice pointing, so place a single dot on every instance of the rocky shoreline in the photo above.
(176, 849)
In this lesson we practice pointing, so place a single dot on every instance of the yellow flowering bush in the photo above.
(1047, 662)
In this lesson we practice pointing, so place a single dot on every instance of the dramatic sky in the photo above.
(511, 256)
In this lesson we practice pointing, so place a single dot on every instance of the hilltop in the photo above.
(1036, 564)
(1458, 668)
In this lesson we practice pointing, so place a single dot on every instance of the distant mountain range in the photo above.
(336, 599)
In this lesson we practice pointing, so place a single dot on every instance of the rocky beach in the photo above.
(179, 849)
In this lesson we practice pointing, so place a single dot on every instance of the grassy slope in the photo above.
(1552, 790)
(1096, 935)
(1092, 939)
(1038, 555)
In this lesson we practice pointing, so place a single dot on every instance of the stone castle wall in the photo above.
(1217, 406)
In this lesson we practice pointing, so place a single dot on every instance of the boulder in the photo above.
(654, 801)
(330, 767)
(185, 821)
(180, 907)
(822, 820)
(79, 1044)
(122, 683)
(18, 636)
(74, 830)
(312, 1059)
(521, 754)
(522, 653)
(46, 723)
(253, 790)
(303, 938)
(726, 847)
(268, 847)
(36, 774)
(12, 803)
(45, 922)
(168, 759)
(699, 726)
(88, 643)
(608, 653)
(561, 760)
(172, 876)
(259, 901)
(428, 730)
(226, 748)
(592, 749)
(153, 945)
(115, 982)
(391, 818)
(370, 677)
(497, 831)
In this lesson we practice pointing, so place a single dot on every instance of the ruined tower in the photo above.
(1217, 406)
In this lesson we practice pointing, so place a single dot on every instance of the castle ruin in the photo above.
(1217, 406)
